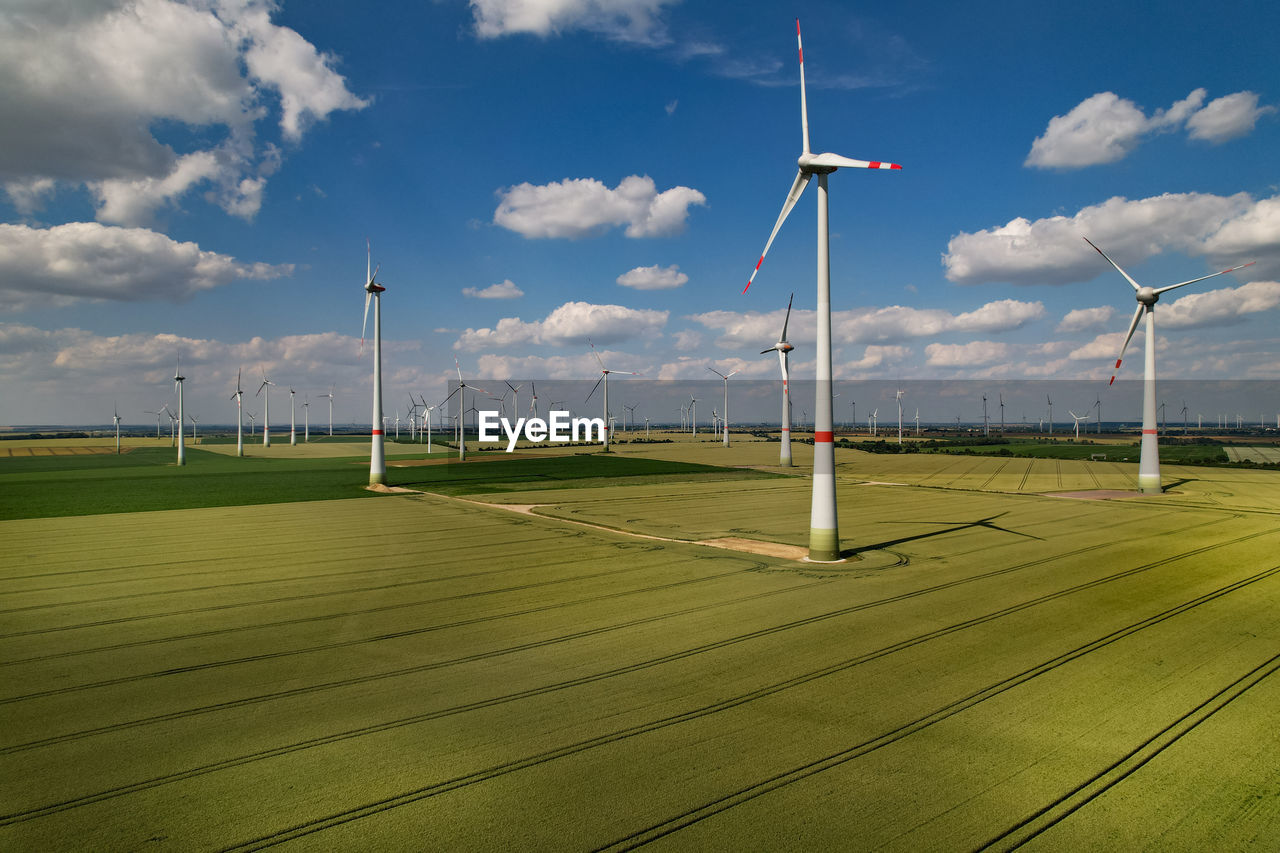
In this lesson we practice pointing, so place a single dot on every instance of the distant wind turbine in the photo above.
(266, 408)
(899, 397)
(116, 417)
(1078, 419)
(604, 377)
(462, 402)
(239, 397)
(725, 414)
(824, 533)
(306, 419)
(1149, 458)
(330, 397)
(783, 349)
(293, 419)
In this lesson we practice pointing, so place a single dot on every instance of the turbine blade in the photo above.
(836, 161)
(459, 368)
(717, 373)
(804, 107)
(596, 354)
(1160, 290)
(365, 325)
(797, 188)
(787, 320)
(593, 389)
(1137, 315)
(1114, 264)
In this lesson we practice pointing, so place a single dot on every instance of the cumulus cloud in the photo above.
(1220, 307)
(505, 289)
(1086, 318)
(1227, 117)
(635, 21)
(1226, 229)
(972, 354)
(571, 323)
(653, 278)
(1104, 127)
(83, 84)
(85, 260)
(874, 356)
(578, 207)
(869, 325)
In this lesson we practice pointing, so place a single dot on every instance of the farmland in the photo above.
(539, 651)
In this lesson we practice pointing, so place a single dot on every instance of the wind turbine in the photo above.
(177, 386)
(631, 410)
(116, 417)
(1078, 419)
(266, 408)
(533, 403)
(253, 420)
(1149, 460)
(293, 419)
(824, 533)
(515, 398)
(373, 290)
(157, 414)
(986, 426)
(604, 377)
(462, 402)
(238, 397)
(783, 349)
(917, 421)
(195, 429)
(1184, 417)
(330, 396)
(693, 415)
(1002, 414)
(1050, 402)
(899, 398)
(306, 419)
(725, 414)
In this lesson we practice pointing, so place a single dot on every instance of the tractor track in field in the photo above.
(1025, 476)
(994, 474)
(600, 676)
(711, 808)
(1064, 806)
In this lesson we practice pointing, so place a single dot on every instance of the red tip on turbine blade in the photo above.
(1113, 380)
(894, 166)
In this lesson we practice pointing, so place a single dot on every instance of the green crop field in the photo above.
(538, 651)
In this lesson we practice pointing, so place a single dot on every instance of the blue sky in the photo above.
(201, 178)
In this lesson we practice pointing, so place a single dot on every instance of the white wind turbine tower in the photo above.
(782, 348)
(293, 419)
(693, 415)
(631, 410)
(195, 429)
(266, 408)
(116, 417)
(1078, 419)
(515, 398)
(306, 419)
(1050, 402)
(253, 420)
(533, 403)
(330, 396)
(604, 377)
(1149, 461)
(177, 386)
(824, 533)
(917, 421)
(373, 290)
(725, 414)
(1002, 414)
(462, 409)
(899, 397)
(157, 414)
(238, 397)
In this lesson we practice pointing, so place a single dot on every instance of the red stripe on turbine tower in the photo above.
(824, 436)
(378, 432)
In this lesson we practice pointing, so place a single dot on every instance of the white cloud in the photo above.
(873, 356)
(1219, 307)
(505, 289)
(1227, 117)
(1086, 318)
(578, 207)
(1104, 127)
(636, 21)
(83, 84)
(868, 325)
(687, 340)
(1228, 229)
(653, 278)
(1105, 348)
(571, 323)
(972, 354)
(85, 260)
(671, 106)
